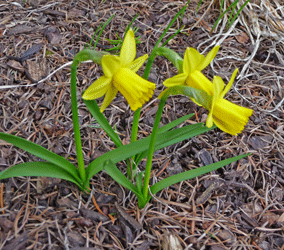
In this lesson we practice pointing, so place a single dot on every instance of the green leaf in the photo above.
(221, 16)
(192, 173)
(120, 178)
(127, 151)
(200, 96)
(153, 53)
(163, 129)
(101, 31)
(198, 6)
(174, 123)
(100, 118)
(172, 36)
(42, 153)
(172, 56)
(139, 179)
(182, 134)
(38, 168)
(237, 14)
(175, 136)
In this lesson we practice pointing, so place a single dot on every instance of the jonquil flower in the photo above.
(120, 75)
(193, 63)
(227, 116)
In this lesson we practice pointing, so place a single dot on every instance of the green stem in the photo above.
(132, 169)
(151, 149)
(76, 126)
(149, 64)
(135, 125)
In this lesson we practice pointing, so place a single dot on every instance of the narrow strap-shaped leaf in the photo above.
(177, 135)
(183, 134)
(139, 179)
(100, 118)
(165, 128)
(42, 153)
(192, 173)
(119, 177)
(127, 151)
(174, 123)
(38, 168)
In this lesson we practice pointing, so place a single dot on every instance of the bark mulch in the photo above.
(237, 207)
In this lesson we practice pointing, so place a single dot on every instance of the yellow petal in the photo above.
(208, 59)
(230, 117)
(218, 86)
(179, 79)
(229, 85)
(111, 93)
(110, 65)
(199, 81)
(136, 64)
(134, 88)
(97, 89)
(128, 49)
(192, 58)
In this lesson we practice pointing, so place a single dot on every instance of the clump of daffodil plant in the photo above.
(120, 75)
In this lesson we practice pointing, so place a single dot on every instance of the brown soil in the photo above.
(237, 207)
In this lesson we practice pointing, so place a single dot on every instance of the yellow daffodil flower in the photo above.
(120, 75)
(193, 64)
(227, 116)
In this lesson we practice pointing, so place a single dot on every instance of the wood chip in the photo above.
(93, 215)
(123, 215)
(16, 66)
(171, 242)
(208, 192)
(36, 70)
(20, 30)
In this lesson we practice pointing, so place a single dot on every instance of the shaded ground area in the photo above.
(237, 207)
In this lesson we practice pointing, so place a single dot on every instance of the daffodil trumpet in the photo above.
(227, 116)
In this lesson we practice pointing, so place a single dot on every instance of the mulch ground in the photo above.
(237, 207)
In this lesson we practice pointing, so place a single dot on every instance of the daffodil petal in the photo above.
(230, 117)
(218, 86)
(110, 64)
(97, 89)
(136, 64)
(207, 60)
(192, 58)
(128, 49)
(111, 93)
(134, 88)
(179, 79)
(199, 81)
(229, 85)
